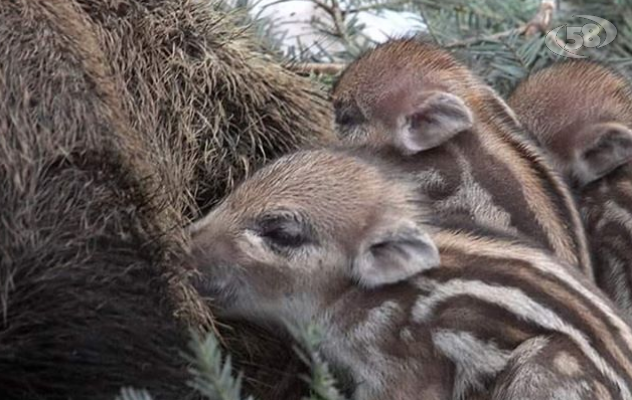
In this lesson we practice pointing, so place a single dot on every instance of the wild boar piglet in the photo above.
(581, 114)
(463, 144)
(409, 308)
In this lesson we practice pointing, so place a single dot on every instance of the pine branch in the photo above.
(212, 373)
(377, 6)
(322, 382)
(213, 376)
(538, 24)
(334, 11)
(541, 22)
(133, 394)
(317, 68)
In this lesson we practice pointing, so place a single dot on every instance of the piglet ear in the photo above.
(436, 119)
(610, 148)
(395, 256)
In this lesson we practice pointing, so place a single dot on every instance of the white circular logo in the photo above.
(580, 36)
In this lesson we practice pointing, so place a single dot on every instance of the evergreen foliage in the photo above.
(134, 394)
(213, 377)
(212, 373)
(502, 40)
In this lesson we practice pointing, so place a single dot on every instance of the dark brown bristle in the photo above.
(112, 112)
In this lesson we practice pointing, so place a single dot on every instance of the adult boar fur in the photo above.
(109, 114)
(194, 84)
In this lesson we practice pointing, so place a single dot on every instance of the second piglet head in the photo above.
(581, 113)
(304, 229)
(404, 93)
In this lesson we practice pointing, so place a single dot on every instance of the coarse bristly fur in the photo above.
(411, 308)
(581, 114)
(199, 91)
(110, 112)
(462, 141)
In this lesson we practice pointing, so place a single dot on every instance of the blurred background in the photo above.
(503, 40)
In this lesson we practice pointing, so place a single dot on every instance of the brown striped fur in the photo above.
(488, 173)
(496, 319)
(581, 113)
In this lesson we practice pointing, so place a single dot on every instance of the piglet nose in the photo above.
(210, 248)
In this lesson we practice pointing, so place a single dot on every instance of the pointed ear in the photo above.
(432, 122)
(610, 148)
(395, 256)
